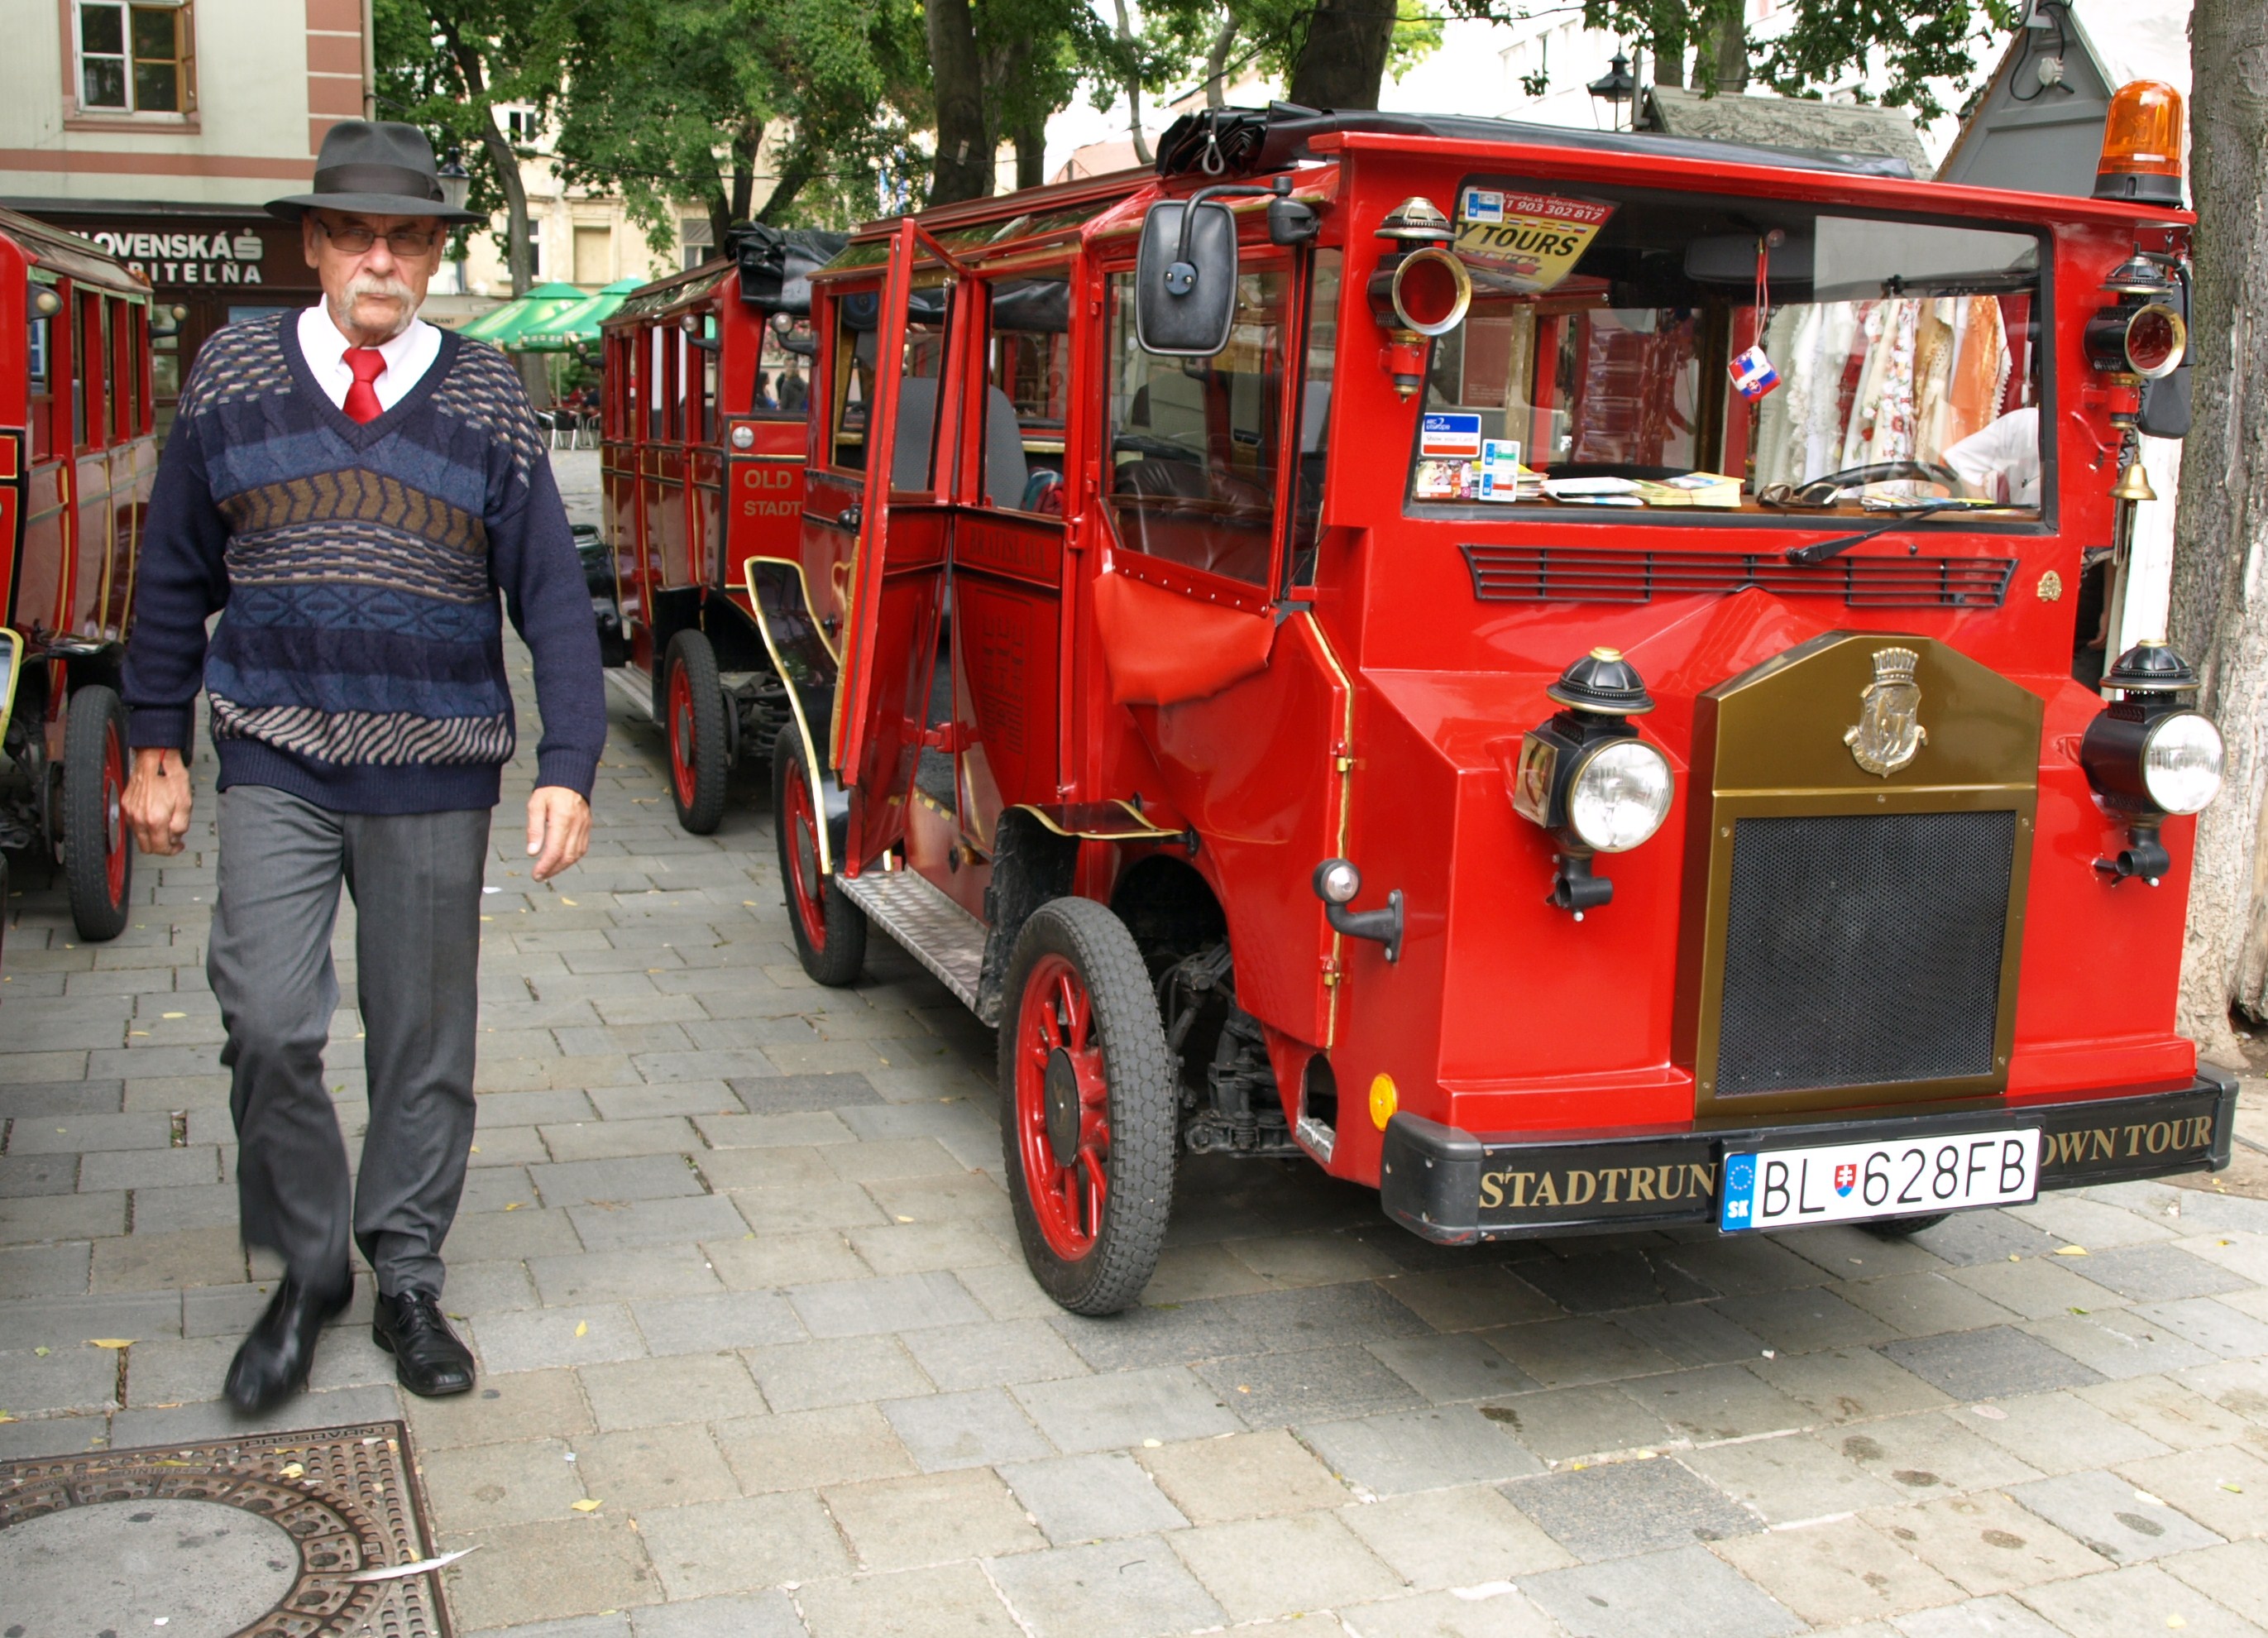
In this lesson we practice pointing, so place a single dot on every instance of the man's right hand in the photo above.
(157, 800)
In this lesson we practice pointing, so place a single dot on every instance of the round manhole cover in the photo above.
(202, 1569)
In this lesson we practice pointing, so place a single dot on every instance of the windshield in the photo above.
(1651, 349)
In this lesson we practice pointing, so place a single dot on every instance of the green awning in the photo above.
(577, 324)
(503, 326)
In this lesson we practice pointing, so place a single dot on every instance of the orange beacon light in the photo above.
(2142, 145)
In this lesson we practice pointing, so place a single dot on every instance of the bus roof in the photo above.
(67, 254)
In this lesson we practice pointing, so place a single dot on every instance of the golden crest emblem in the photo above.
(1888, 733)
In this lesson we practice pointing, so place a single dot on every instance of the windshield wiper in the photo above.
(1820, 551)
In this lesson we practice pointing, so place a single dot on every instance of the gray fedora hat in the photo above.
(379, 167)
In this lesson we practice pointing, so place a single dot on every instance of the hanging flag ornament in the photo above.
(1753, 374)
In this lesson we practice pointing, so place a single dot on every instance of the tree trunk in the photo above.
(1732, 53)
(1032, 154)
(2219, 614)
(1343, 60)
(964, 162)
(747, 149)
(502, 159)
(799, 171)
(1669, 32)
(1217, 65)
(1132, 86)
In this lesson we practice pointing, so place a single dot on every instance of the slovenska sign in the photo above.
(1526, 242)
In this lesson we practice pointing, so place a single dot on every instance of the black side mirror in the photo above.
(1185, 278)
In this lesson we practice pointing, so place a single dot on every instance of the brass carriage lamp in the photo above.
(2151, 754)
(1588, 778)
(456, 182)
(1418, 293)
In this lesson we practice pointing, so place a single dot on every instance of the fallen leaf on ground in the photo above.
(582, 1327)
(587, 1505)
(292, 1470)
(110, 1342)
(2071, 1250)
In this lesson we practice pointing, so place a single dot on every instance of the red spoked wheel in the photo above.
(693, 721)
(98, 849)
(830, 931)
(1090, 1119)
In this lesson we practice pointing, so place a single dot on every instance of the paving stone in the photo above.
(1687, 1591)
(791, 1208)
(1261, 1322)
(45, 1271)
(638, 1177)
(1423, 1450)
(1997, 1360)
(80, 1134)
(1839, 1572)
(1243, 1476)
(762, 1615)
(1569, 1353)
(1630, 1507)
(2138, 1600)
(1932, 1452)
(1117, 1409)
(1605, 1281)
(746, 1263)
(148, 1169)
(2215, 1327)
(931, 1519)
(510, 1236)
(1267, 1567)
(1979, 1238)
(2036, 1287)
(614, 1624)
(26, 1174)
(211, 1256)
(60, 1217)
(2166, 1411)
(1471, 1297)
(845, 1370)
(1187, 1273)
(2120, 1342)
(924, 1248)
(68, 1379)
(2060, 1433)
(1092, 1497)
(480, 1487)
(1803, 1319)
(1314, 1384)
(1691, 1333)
(190, 1424)
(992, 1353)
(684, 1388)
(654, 1223)
(1986, 1543)
(523, 1405)
(2225, 1488)
(534, 1572)
(658, 1271)
(1924, 1304)
(899, 1302)
(970, 1429)
(2237, 1385)
(1791, 1479)
(1562, 1423)
(1130, 1589)
(2103, 1510)
(726, 1320)
(739, 1545)
(1007, 1291)
(538, 1338)
(2235, 1575)
(1489, 1611)
(1847, 1384)
(654, 1467)
(2158, 1273)
(1459, 1538)
(1717, 1402)
(798, 1165)
(727, 1132)
(796, 1449)
(612, 1140)
(2076, 1220)
(1450, 1369)
(949, 1601)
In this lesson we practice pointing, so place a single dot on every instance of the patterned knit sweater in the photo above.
(358, 661)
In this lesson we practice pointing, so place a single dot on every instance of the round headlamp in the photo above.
(2182, 762)
(1620, 795)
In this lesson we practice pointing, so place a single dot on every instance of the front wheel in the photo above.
(699, 758)
(830, 931)
(1088, 1123)
(97, 850)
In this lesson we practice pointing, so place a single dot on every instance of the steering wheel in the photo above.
(1821, 491)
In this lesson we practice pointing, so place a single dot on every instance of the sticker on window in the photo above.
(1450, 436)
(1527, 243)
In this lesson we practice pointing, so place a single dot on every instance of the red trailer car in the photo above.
(1548, 673)
(703, 441)
(77, 462)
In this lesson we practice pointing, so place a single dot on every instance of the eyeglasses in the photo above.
(355, 238)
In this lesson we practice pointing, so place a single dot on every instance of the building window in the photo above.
(594, 254)
(135, 58)
(697, 237)
(519, 125)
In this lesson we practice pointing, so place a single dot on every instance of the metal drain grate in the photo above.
(342, 1496)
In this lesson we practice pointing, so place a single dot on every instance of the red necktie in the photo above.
(368, 363)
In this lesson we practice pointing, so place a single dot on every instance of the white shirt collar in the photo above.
(408, 357)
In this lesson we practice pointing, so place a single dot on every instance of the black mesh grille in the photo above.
(1862, 949)
(1604, 574)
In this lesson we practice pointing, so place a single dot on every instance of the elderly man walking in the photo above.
(350, 488)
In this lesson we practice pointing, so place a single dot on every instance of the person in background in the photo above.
(350, 489)
(793, 395)
(2001, 460)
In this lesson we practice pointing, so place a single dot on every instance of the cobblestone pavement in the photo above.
(738, 1268)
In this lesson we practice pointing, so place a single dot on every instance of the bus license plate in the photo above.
(1907, 1177)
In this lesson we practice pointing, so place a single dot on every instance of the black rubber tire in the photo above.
(695, 728)
(840, 954)
(1903, 1228)
(94, 834)
(1143, 1103)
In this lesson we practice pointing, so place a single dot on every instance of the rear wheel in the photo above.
(1903, 1228)
(830, 931)
(97, 851)
(699, 758)
(1088, 1126)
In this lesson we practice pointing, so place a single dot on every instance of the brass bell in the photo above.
(2134, 485)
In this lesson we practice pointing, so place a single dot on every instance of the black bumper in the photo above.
(1454, 1187)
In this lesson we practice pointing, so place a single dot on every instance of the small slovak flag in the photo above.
(1753, 375)
(1846, 1177)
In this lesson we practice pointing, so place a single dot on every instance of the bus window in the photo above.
(918, 372)
(1315, 411)
(1194, 442)
(1026, 385)
(653, 388)
(708, 378)
(40, 381)
(86, 371)
(125, 375)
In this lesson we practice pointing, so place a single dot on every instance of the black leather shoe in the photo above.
(273, 1362)
(427, 1359)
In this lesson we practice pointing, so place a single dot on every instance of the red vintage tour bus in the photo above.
(77, 462)
(1554, 674)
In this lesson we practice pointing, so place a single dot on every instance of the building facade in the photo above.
(158, 128)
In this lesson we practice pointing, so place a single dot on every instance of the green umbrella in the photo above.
(503, 325)
(577, 324)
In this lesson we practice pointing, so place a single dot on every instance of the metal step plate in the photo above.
(935, 930)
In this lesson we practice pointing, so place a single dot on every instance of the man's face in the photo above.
(374, 293)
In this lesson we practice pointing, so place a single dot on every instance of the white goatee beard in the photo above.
(372, 284)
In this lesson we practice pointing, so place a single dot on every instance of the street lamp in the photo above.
(1615, 87)
(456, 182)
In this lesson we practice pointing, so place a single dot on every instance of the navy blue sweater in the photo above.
(358, 661)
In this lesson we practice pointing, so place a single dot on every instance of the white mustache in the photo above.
(381, 286)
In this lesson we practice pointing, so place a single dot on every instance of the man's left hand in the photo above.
(558, 829)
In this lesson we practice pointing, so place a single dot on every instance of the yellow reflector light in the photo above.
(1383, 1101)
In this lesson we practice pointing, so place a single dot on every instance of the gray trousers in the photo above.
(415, 879)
